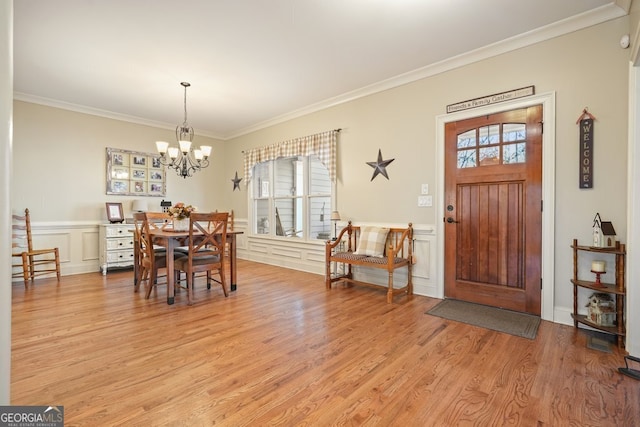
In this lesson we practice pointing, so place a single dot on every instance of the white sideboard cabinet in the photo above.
(116, 246)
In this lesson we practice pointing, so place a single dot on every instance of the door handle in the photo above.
(452, 221)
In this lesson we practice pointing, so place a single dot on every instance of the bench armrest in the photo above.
(331, 244)
(398, 243)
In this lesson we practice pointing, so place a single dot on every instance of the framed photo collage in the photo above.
(132, 173)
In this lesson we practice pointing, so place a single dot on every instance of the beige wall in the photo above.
(585, 69)
(59, 155)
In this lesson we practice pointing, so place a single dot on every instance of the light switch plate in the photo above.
(424, 189)
(425, 201)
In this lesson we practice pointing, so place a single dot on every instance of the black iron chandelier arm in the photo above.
(184, 165)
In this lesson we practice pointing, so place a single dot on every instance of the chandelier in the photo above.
(184, 159)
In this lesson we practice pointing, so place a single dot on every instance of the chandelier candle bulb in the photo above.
(162, 146)
(173, 152)
(598, 266)
(185, 146)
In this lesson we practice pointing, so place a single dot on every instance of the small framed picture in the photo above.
(156, 188)
(138, 187)
(155, 163)
(138, 161)
(140, 174)
(119, 186)
(156, 175)
(114, 212)
(119, 173)
(120, 159)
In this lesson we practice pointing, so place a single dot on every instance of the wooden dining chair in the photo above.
(207, 240)
(157, 221)
(151, 257)
(31, 262)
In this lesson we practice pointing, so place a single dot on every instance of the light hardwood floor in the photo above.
(282, 350)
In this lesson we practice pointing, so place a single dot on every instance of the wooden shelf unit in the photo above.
(617, 289)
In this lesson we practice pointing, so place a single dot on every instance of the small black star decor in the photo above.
(236, 182)
(380, 166)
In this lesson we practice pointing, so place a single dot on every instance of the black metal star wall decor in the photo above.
(380, 167)
(236, 182)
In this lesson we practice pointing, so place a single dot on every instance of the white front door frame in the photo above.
(548, 101)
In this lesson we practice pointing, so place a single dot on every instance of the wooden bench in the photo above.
(396, 252)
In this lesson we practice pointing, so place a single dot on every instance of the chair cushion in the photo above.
(372, 241)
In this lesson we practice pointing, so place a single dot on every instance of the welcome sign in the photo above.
(586, 153)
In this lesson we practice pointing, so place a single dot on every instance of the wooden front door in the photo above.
(493, 209)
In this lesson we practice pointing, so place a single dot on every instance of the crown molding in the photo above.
(578, 22)
(26, 97)
(593, 17)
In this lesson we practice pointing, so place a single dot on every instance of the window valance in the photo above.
(323, 145)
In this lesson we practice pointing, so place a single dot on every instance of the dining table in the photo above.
(172, 239)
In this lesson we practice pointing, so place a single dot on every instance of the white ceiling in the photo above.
(256, 62)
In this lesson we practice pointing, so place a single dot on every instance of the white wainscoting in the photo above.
(309, 256)
(78, 244)
(79, 252)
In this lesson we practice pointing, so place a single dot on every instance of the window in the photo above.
(291, 186)
(488, 145)
(291, 198)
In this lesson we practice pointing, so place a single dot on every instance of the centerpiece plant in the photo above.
(180, 213)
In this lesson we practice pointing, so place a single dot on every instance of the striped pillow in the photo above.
(372, 241)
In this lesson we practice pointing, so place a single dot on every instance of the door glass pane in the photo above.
(466, 159)
(467, 139)
(489, 156)
(514, 132)
(489, 134)
(514, 153)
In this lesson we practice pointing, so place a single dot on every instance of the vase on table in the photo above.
(181, 224)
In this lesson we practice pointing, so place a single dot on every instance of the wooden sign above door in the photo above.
(491, 99)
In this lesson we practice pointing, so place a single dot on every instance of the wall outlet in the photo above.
(424, 189)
